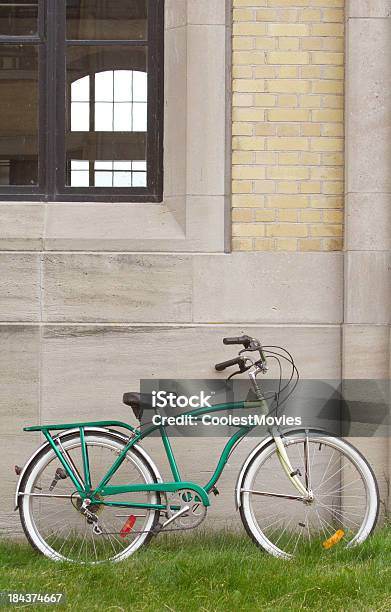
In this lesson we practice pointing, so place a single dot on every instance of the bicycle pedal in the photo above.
(215, 490)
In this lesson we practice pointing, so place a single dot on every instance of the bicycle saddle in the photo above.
(137, 402)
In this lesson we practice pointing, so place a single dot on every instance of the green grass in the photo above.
(211, 572)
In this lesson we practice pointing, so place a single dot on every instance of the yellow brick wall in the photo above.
(288, 130)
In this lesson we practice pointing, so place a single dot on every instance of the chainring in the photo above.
(180, 499)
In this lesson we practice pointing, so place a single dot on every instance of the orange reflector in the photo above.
(127, 528)
(337, 537)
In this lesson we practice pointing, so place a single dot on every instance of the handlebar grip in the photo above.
(227, 364)
(244, 340)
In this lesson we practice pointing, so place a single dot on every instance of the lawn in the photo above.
(208, 572)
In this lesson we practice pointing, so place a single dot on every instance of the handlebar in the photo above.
(230, 362)
(249, 344)
(244, 340)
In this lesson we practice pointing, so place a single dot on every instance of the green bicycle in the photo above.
(91, 493)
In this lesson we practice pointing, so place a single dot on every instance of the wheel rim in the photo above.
(345, 497)
(56, 526)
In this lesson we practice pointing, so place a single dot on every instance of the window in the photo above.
(81, 100)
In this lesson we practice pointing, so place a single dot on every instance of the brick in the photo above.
(333, 216)
(334, 72)
(243, 157)
(332, 101)
(310, 245)
(310, 187)
(310, 129)
(264, 186)
(328, 115)
(248, 58)
(324, 201)
(287, 29)
(327, 173)
(319, 57)
(248, 201)
(297, 86)
(242, 244)
(265, 129)
(263, 244)
(310, 159)
(310, 216)
(311, 72)
(286, 244)
(241, 43)
(327, 29)
(266, 43)
(289, 44)
(250, 3)
(287, 100)
(266, 157)
(248, 143)
(327, 144)
(242, 214)
(310, 15)
(333, 244)
(288, 215)
(242, 129)
(334, 15)
(265, 215)
(281, 57)
(287, 72)
(324, 87)
(333, 129)
(288, 173)
(291, 158)
(322, 229)
(266, 14)
(248, 229)
(264, 99)
(248, 172)
(334, 44)
(241, 14)
(248, 114)
(310, 101)
(288, 187)
(287, 144)
(333, 188)
(248, 85)
(287, 201)
(242, 72)
(312, 44)
(288, 115)
(249, 29)
(297, 230)
(287, 129)
(332, 159)
(242, 99)
(264, 72)
(241, 187)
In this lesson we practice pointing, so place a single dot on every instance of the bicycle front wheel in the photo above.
(345, 503)
(51, 512)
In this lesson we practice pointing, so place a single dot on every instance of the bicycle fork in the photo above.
(290, 472)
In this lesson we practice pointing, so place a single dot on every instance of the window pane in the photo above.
(18, 18)
(103, 20)
(108, 129)
(18, 115)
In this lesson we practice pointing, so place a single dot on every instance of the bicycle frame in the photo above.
(104, 490)
(83, 486)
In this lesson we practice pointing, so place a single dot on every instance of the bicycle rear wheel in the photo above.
(50, 509)
(345, 507)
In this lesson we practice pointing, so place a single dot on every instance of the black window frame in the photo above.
(52, 44)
